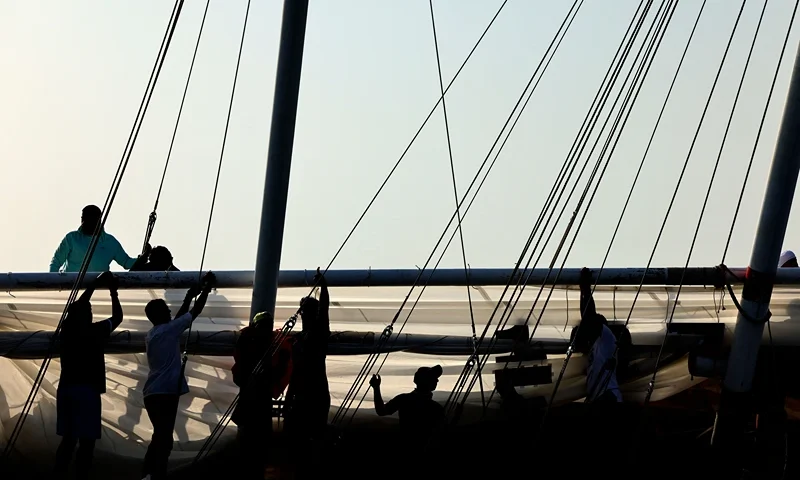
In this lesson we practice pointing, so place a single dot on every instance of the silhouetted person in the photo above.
(787, 260)
(83, 377)
(308, 400)
(72, 249)
(165, 380)
(597, 340)
(158, 259)
(253, 412)
(419, 414)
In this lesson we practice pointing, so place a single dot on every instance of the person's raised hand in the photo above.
(319, 277)
(104, 278)
(375, 381)
(209, 281)
(586, 276)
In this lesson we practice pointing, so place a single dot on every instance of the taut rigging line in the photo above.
(361, 378)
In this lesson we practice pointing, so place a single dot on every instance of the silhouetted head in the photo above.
(79, 313)
(158, 312)
(427, 378)
(160, 258)
(589, 331)
(263, 320)
(309, 309)
(90, 218)
(787, 260)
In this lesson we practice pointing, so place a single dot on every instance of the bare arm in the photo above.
(324, 304)
(587, 301)
(200, 303)
(381, 408)
(116, 309)
(187, 302)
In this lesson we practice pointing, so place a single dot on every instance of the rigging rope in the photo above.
(619, 125)
(459, 228)
(369, 364)
(121, 168)
(589, 122)
(758, 135)
(151, 223)
(290, 323)
(651, 385)
(570, 349)
(185, 356)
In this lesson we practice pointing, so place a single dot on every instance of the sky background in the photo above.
(74, 74)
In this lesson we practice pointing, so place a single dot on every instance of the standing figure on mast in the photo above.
(83, 378)
(73, 247)
(166, 381)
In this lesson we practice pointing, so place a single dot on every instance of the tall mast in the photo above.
(279, 157)
(733, 414)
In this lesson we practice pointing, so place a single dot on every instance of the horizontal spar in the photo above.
(397, 278)
(35, 345)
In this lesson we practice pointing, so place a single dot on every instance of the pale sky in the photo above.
(74, 73)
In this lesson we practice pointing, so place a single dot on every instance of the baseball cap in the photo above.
(428, 374)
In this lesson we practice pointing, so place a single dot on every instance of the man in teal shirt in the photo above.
(70, 253)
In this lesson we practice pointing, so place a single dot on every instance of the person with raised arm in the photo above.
(308, 399)
(166, 381)
(83, 377)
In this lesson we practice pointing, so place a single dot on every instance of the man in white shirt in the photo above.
(166, 381)
(597, 340)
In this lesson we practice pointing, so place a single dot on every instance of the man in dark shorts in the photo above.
(83, 378)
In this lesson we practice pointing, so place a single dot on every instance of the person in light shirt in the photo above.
(69, 255)
(597, 340)
(166, 381)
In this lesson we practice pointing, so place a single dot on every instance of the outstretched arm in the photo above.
(587, 302)
(187, 301)
(381, 408)
(116, 307)
(324, 303)
(208, 282)
(122, 258)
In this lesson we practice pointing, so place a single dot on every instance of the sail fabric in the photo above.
(442, 310)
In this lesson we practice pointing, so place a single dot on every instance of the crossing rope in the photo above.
(663, 20)
(386, 334)
(185, 349)
(290, 323)
(583, 134)
(571, 348)
(151, 223)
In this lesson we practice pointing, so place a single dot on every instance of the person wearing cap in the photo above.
(419, 413)
(787, 260)
(69, 255)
